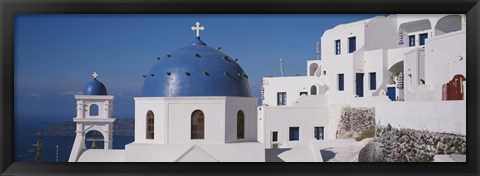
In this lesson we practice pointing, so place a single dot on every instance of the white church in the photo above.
(196, 103)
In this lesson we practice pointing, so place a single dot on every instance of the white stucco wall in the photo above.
(413, 72)
(260, 124)
(334, 116)
(249, 107)
(375, 61)
(341, 65)
(157, 106)
(179, 121)
(291, 85)
(172, 123)
(344, 63)
(342, 32)
(445, 56)
(311, 65)
(172, 116)
(397, 55)
(305, 116)
(434, 116)
(104, 103)
(381, 33)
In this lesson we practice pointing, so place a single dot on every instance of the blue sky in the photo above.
(55, 55)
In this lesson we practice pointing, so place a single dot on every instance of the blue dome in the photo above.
(196, 70)
(94, 87)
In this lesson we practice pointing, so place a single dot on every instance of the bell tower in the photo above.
(94, 113)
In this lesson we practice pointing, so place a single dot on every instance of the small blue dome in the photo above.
(94, 87)
(196, 70)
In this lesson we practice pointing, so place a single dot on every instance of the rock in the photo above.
(372, 152)
(401, 145)
(354, 121)
(397, 155)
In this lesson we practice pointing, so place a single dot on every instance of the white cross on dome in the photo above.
(94, 75)
(197, 28)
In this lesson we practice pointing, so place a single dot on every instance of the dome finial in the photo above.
(94, 87)
(197, 28)
(94, 75)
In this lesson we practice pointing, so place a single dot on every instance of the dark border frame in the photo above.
(8, 9)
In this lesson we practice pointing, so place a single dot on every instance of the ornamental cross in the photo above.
(94, 75)
(197, 28)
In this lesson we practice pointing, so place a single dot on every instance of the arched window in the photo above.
(240, 125)
(198, 125)
(93, 110)
(150, 127)
(313, 90)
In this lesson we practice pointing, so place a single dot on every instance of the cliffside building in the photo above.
(406, 64)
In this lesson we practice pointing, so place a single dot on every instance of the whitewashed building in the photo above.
(372, 63)
(365, 58)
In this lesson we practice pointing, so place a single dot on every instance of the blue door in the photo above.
(422, 38)
(359, 86)
(391, 93)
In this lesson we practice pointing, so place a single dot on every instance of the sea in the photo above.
(54, 148)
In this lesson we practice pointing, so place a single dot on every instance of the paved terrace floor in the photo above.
(338, 150)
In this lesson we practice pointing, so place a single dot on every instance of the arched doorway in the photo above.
(396, 81)
(313, 90)
(454, 89)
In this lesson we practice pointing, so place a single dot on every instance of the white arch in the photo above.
(99, 131)
(104, 129)
(97, 128)
(447, 24)
(416, 26)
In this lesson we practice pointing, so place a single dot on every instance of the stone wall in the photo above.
(409, 145)
(354, 121)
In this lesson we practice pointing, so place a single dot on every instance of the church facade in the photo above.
(195, 106)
